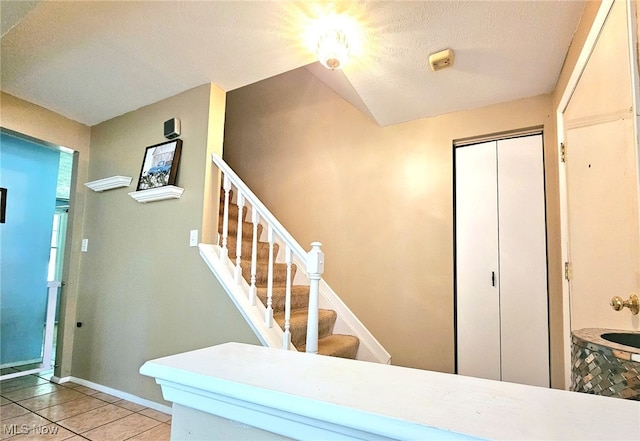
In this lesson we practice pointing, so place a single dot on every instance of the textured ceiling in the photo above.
(94, 60)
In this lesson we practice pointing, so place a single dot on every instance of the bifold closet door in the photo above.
(524, 320)
(478, 296)
(501, 261)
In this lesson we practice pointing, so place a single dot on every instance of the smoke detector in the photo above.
(441, 60)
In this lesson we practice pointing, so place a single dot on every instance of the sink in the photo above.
(606, 362)
(623, 338)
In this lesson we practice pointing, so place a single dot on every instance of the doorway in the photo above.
(37, 179)
(598, 175)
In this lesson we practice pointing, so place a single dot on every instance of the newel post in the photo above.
(315, 268)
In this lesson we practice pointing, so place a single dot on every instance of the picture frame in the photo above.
(160, 165)
(3, 205)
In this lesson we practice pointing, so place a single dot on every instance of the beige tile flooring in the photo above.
(32, 408)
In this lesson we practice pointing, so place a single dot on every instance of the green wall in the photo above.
(143, 292)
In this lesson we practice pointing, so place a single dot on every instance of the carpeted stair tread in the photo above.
(337, 345)
(232, 229)
(233, 212)
(298, 324)
(299, 297)
(247, 248)
(262, 273)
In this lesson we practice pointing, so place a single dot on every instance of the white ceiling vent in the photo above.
(441, 60)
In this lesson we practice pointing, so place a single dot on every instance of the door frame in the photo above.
(572, 83)
(465, 142)
(52, 295)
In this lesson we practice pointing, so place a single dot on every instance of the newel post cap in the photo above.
(315, 259)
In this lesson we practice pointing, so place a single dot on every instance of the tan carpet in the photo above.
(337, 345)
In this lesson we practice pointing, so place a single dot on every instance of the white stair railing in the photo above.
(286, 337)
(238, 270)
(275, 233)
(315, 268)
(227, 266)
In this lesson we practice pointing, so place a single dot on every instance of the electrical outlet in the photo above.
(85, 245)
(193, 238)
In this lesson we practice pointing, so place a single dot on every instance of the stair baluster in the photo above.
(268, 319)
(255, 219)
(224, 252)
(238, 270)
(290, 317)
(286, 338)
(315, 268)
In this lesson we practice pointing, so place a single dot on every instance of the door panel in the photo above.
(603, 223)
(602, 182)
(478, 325)
(523, 262)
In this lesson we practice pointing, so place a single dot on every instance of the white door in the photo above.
(603, 223)
(478, 295)
(523, 262)
(501, 262)
(602, 182)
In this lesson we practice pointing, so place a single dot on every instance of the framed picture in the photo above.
(160, 165)
(3, 205)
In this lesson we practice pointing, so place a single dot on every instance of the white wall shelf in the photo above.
(109, 183)
(157, 194)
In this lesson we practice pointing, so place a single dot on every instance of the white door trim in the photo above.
(572, 83)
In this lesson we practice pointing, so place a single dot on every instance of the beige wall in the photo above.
(215, 137)
(51, 128)
(579, 38)
(144, 293)
(379, 199)
(318, 163)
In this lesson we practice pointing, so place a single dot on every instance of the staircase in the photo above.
(338, 345)
(276, 285)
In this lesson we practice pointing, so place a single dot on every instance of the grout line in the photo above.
(144, 431)
(85, 395)
(53, 422)
(118, 419)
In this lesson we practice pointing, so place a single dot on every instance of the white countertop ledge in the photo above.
(356, 398)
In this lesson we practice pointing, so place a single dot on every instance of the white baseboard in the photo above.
(59, 380)
(115, 392)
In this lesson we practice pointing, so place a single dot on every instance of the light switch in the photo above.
(193, 238)
(85, 245)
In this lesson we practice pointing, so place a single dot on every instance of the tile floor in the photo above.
(32, 408)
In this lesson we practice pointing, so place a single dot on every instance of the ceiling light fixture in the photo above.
(333, 49)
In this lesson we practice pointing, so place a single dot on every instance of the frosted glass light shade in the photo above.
(333, 49)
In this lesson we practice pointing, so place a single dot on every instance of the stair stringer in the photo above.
(369, 349)
(239, 294)
(346, 322)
